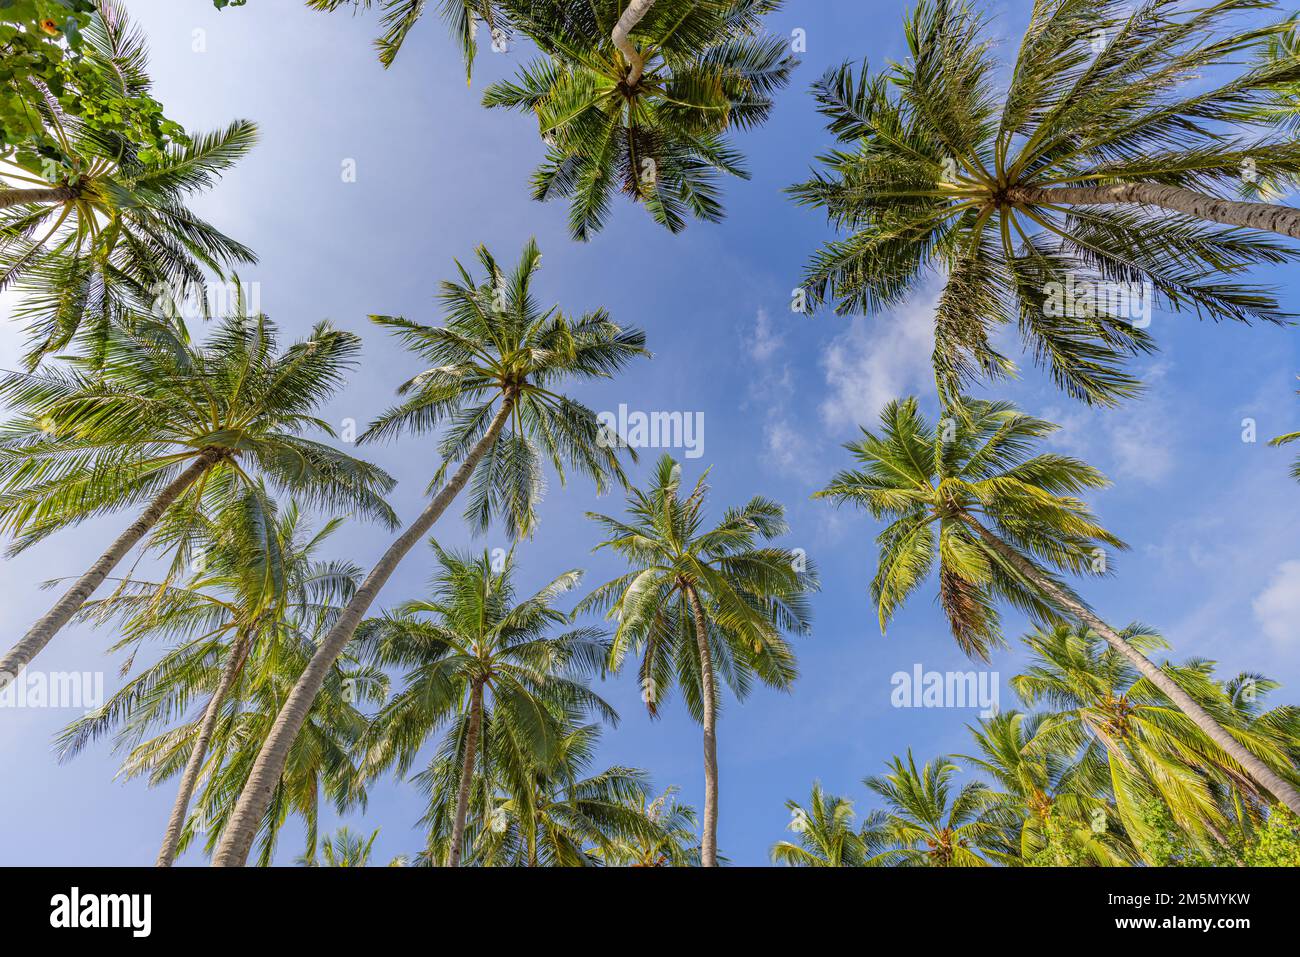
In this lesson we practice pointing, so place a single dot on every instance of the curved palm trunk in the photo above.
(199, 753)
(1258, 771)
(31, 197)
(1266, 216)
(709, 840)
(466, 774)
(626, 24)
(256, 796)
(20, 655)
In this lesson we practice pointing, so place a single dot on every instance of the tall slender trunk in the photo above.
(198, 754)
(636, 9)
(31, 197)
(20, 655)
(709, 840)
(260, 787)
(467, 773)
(1266, 216)
(1260, 772)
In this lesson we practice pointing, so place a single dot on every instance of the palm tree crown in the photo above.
(930, 484)
(1053, 182)
(105, 231)
(701, 69)
(927, 825)
(499, 349)
(478, 659)
(83, 443)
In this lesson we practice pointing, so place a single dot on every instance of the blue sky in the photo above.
(1215, 562)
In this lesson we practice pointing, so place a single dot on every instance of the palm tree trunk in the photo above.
(20, 655)
(1266, 216)
(626, 24)
(1261, 773)
(466, 774)
(30, 197)
(709, 840)
(256, 796)
(199, 753)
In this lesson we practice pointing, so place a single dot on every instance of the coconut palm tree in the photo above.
(103, 229)
(498, 361)
(825, 832)
(142, 717)
(553, 813)
(674, 841)
(637, 98)
(1046, 793)
(344, 848)
(475, 657)
(702, 606)
(173, 427)
(259, 582)
(1286, 440)
(1007, 523)
(926, 825)
(1105, 711)
(1098, 177)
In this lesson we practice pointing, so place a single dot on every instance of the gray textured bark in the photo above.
(1258, 771)
(1269, 217)
(20, 655)
(626, 24)
(466, 774)
(32, 197)
(709, 839)
(255, 798)
(198, 754)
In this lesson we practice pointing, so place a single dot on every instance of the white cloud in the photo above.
(878, 359)
(1134, 442)
(1277, 608)
(765, 340)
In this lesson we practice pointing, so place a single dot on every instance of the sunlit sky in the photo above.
(1215, 558)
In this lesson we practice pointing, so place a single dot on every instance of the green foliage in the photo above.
(46, 64)
(1277, 843)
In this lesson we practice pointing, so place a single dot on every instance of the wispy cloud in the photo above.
(878, 359)
(1277, 607)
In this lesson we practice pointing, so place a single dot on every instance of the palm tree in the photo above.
(926, 825)
(1046, 793)
(1286, 440)
(344, 848)
(826, 834)
(1105, 711)
(702, 605)
(552, 813)
(259, 584)
(105, 230)
(673, 842)
(1095, 175)
(637, 98)
(497, 361)
(1008, 521)
(142, 716)
(176, 428)
(475, 659)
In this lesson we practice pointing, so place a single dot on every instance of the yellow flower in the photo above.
(50, 26)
